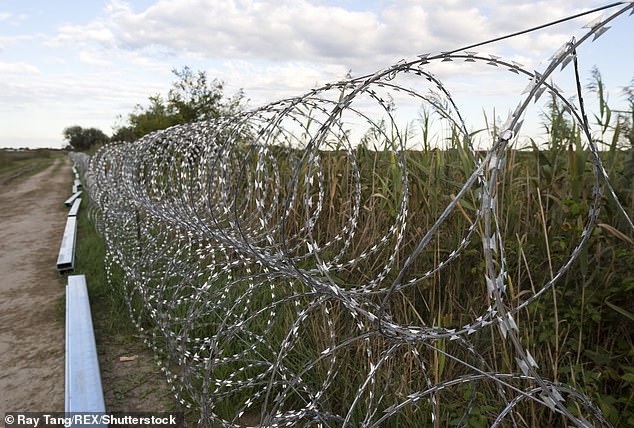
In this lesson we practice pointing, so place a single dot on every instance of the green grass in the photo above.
(89, 261)
(24, 163)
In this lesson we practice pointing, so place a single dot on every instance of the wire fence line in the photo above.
(236, 240)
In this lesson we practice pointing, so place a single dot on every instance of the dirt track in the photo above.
(32, 219)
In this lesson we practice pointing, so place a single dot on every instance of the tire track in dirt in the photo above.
(32, 219)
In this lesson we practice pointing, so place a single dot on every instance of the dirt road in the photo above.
(32, 219)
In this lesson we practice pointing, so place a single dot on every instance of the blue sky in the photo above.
(65, 63)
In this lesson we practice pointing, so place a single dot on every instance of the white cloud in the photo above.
(96, 32)
(18, 68)
(8, 41)
(92, 57)
(12, 19)
(305, 31)
(293, 30)
(268, 82)
(299, 30)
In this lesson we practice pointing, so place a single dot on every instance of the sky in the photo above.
(89, 63)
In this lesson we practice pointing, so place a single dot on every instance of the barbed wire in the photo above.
(244, 251)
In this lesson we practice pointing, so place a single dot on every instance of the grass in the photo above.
(24, 163)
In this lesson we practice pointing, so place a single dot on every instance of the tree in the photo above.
(82, 139)
(192, 98)
(124, 133)
(157, 115)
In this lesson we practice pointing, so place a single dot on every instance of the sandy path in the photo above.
(32, 219)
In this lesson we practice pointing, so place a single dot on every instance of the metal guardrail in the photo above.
(76, 182)
(75, 208)
(69, 202)
(83, 390)
(66, 257)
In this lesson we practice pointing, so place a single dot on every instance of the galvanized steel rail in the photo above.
(75, 208)
(83, 390)
(69, 202)
(66, 256)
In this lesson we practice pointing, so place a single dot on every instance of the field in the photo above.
(18, 163)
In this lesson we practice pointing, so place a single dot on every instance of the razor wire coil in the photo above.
(220, 235)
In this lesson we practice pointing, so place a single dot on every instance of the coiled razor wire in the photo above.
(243, 250)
